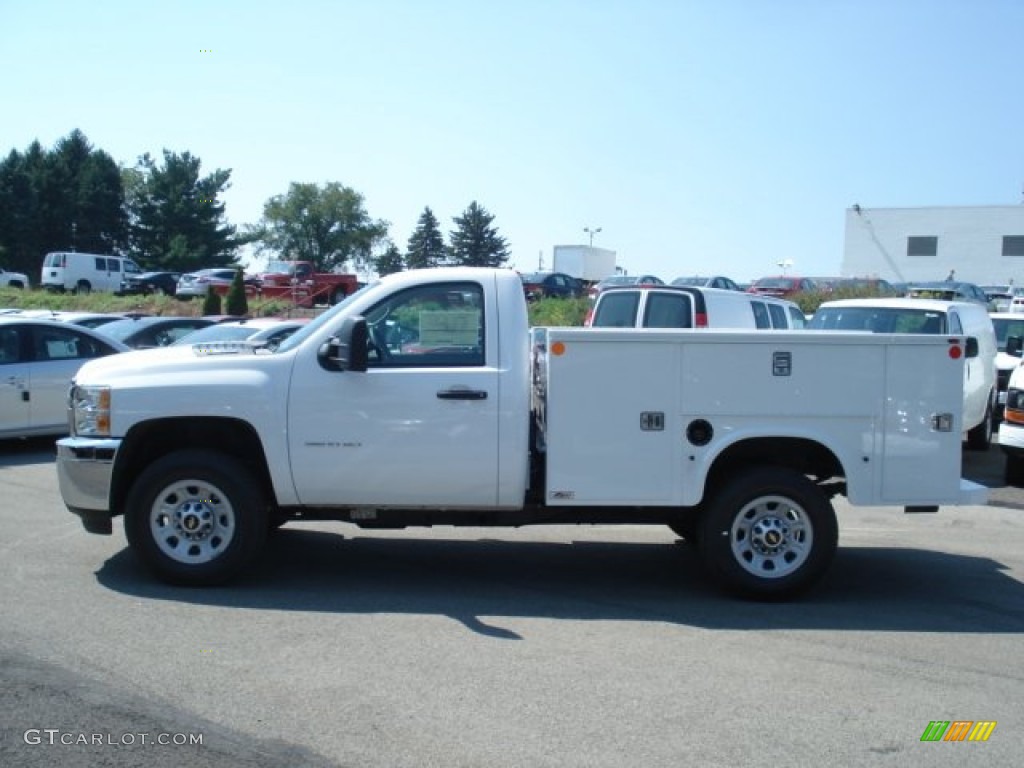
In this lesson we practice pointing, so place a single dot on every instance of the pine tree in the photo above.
(426, 244)
(475, 242)
(237, 303)
(211, 302)
(390, 261)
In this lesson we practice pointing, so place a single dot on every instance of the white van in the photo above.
(690, 306)
(85, 272)
(933, 316)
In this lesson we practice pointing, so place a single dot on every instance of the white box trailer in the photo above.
(584, 262)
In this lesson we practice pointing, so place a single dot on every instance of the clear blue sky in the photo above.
(702, 136)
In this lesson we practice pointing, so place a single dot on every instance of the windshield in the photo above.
(218, 332)
(323, 319)
(878, 320)
(280, 267)
(1006, 327)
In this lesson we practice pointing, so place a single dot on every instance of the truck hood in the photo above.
(188, 359)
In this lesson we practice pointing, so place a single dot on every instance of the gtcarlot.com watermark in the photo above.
(55, 737)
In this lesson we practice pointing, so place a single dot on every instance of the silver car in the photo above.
(38, 359)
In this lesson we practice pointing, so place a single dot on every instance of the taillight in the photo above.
(701, 320)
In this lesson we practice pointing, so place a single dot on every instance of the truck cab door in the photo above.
(420, 426)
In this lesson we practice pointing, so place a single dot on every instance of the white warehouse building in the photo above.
(980, 244)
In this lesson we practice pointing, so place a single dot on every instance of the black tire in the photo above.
(210, 494)
(1014, 471)
(980, 438)
(768, 534)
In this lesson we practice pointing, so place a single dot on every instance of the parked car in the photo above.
(540, 285)
(688, 306)
(195, 284)
(934, 316)
(608, 282)
(948, 290)
(1006, 325)
(145, 332)
(258, 330)
(13, 279)
(782, 285)
(716, 281)
(38, 359)
(85, 319)
(165, 283)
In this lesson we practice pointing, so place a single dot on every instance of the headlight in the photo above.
(90, 411)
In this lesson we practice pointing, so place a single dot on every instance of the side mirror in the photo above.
(972, 347)
(1014, 344)
(349, 350)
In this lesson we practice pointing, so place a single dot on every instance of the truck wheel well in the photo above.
(800, 454)
(149, 441)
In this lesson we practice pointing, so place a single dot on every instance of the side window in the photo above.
(616, 310)
(796, 318)
(955, 327)
(101, 264)
(63, 344)
(761, 318)
(667, 310)
(114, 265)
(440, 325)
(10, 345)
(778, 315)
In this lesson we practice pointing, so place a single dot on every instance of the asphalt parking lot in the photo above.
(560, 646)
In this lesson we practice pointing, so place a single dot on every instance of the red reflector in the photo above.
(702, 320)
(955, 352)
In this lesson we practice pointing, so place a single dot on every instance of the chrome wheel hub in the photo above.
(192, 522)
(771, 537)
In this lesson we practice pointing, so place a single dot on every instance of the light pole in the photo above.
(785, 264)
(591, 232)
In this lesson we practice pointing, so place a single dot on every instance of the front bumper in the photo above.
(85, 468)
(1011, 439)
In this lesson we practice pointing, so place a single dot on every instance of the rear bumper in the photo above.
(85, 468)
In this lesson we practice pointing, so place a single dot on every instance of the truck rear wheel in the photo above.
(769, 534)
(196, 518)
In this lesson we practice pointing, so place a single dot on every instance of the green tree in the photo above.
(69, 198)
(426, 244)
(211, 302)
(325, 225)
(237, 302)
(390, 261)
(177, 217)
(475, 241)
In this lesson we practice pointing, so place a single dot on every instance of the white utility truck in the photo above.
(410, 404)
(584, 262)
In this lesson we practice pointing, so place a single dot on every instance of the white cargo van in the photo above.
(85, 272)
(690, 306)
(932, 316)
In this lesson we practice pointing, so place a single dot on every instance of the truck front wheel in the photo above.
(196, 518)
(769, 533)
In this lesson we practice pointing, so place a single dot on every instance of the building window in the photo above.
(922, 246)
(1013, 245)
